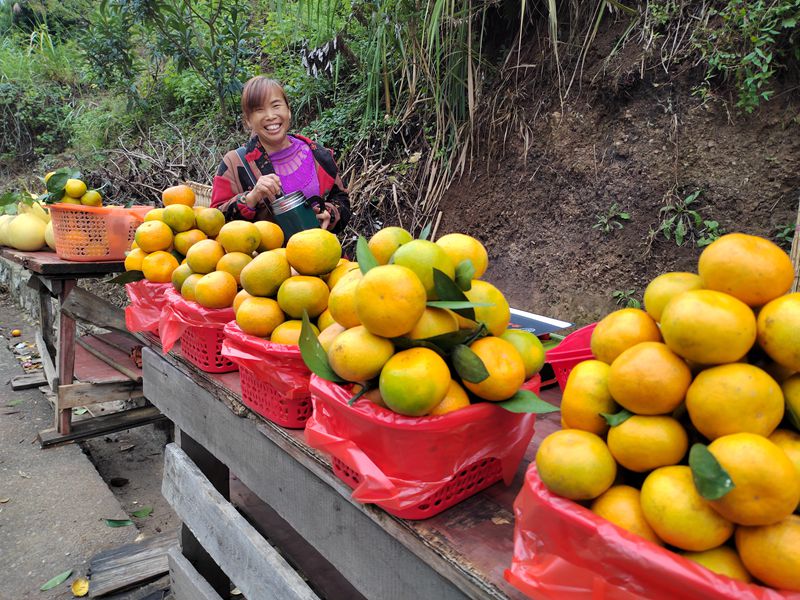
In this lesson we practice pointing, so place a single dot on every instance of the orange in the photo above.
(529, 348)
(265, 273)
(157, 214)
(179, 275)
(575, 464)
(722, 560)
(665, 287)
(434, 321)
(241, 296)
(313, 251)
(772, 552)
(422, 257)
(748, 267)
(186, 239)
(339, 272)
(209, 220)
(233, 263)
(178, 194)
(158, 266)
(327, 335)
(204, 255)
(733, 398)
(325, 320)
(455, 399)
(152, 236)
(505, 367)
(178, 217)
(342, 303)
(460, 247)
(620, 504)
(373, 395)
(643, 443)
(92, 198)
(778, 324)
(620, 330)
(386, 241)
(303, 293)
(358, 355)
(133, 261)
(585, 396)
(414, 381)
(678, 513)
(259, 316)
(288, 333)
(708, 327)
(216, 290)
(767, 486)
(789, 442)
(271, 235)
(497, 315)
(649, 379)
(189, 285)
(390, 299)
(239, 236)
(75, 188)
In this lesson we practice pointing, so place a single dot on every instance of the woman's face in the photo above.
(270, 121)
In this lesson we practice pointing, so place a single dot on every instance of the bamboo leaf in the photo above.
(446, 289)
(469, 365)
(127, 277)
(142, 512)
(364, 257)
(710, 479)
(617, 418)
(465, 271)
(426, 231)
(525, 401)
(57, 580)
(314, 354)
(118, 522)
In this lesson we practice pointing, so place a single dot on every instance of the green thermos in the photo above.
(293, 214)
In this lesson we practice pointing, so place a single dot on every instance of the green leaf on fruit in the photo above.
(617, 418)
(710, 478)
(469, 365)
(525, 401)
(448, 341)
(314, 354)
(57, 580)
(465, 271)
(127, 277)
(364, 256)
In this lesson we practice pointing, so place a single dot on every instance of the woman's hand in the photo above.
(267, 187)
(327, 216)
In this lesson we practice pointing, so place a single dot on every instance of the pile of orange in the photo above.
(714, 358)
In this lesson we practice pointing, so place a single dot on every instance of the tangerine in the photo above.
(271, 235)
(778, 324)
(575, 464)
(239, 236)
(358, 355)
(189, 285)
(505, 367)
(722, 560)
(529, 347)
(288, 333)
(620, 330)
(422, 257)
(455, 399)
(643, 443)
(259, 316)
(179, 217)
(303, 293)
(204, 255)
(152, 236)
(216, 290)
(620, 504)
(209, 221)
(233, 263)
(158, 266)
(414, 381)
(313, 251)
(265, 273)
(386, 242)
(772, 552)
(178, 194)
(434, 321)
(665, 287)
(460, 247)
(133, 261)
(585, 396)
(497, 315)
(389, 300)
(186, 239)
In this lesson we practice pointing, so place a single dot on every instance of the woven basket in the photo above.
(202, 193)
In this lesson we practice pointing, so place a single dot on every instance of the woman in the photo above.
(273, 163)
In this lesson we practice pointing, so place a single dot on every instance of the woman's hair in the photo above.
(256, 91)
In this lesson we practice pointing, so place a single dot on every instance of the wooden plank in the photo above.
(91, 369)
(47, 361)
(48, 263)
(24, 382)
(185, 582)
(87, 394)
(85, 306)
(130, 564)
(65, 358)
(110, 361)
(255, 566)
(102, 425)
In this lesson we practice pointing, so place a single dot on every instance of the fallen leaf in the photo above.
(127, 447)
(24, 474)
(80, 587)
(500, 521)
(15, 402)
(4, 500)
(236, 592)
(143, 512)
(79, 410)
(118, 522)
(57, 580)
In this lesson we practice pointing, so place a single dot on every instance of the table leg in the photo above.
(219, 476)
(66, 357)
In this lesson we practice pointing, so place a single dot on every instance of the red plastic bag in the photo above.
(147, 299)
(179, 313)
(563, 550)
(404, 460)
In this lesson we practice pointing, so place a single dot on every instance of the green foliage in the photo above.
(681, 221)
(613, 219)
(626, 298)
(784, 235)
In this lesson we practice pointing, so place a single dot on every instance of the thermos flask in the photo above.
(293, 213)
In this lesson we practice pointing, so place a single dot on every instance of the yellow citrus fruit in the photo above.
(48, 176)
(189, 285)
(233, 263)
(766, 484)
(497, 316)
(204, 255)
(505, 367)
(708, 327)
(179, 275)
(679, 514)
(620, 330)
(390, 299)
(722, 560)
(455, 399)
(734, 398)
(434, 321)
(649, 379)
(209, 221)
(575, 464)
(216, 290)
(75, 188)
(313, 251)
(422, 257)
(92, 198)
(789, 442)
(271, 235)
(178, 217)
(239, 236)
(772, 552)
(327, 335)
(158, 266)
(620, 504)
(303, 293)
(265, 273)
(414, 381)
(186, 239)
(358, 355)
(340, 271)
(70, 200)
(152, 236)
(133, 261)
(585, 396)
(643, 443)
(778, 324)
(665, 287)
(241, 296)
(156, 214)
(750, 268)
(178, 194)
(259, 316)
(529, 348)
(460, 247)
(386, 241)
(342, 303)
(325, 320)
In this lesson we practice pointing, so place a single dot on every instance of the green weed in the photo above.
(681, 221)
(626, 298)
(784, 236)
(612, 219)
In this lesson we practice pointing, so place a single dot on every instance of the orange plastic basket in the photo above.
(94, 233)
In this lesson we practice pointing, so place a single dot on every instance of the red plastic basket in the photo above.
(575, 348)
(290, 410)
(202, 346)
(94, 233)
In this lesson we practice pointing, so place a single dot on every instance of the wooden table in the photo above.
(460, 553)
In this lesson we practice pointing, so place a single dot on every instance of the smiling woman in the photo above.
(273, 163)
